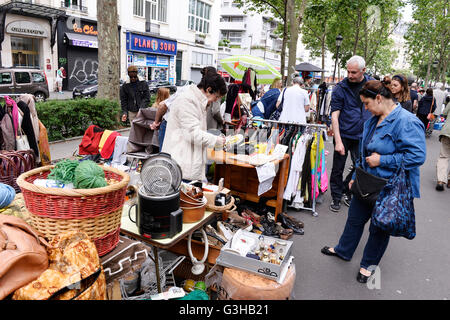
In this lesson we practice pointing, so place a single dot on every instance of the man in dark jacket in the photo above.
(348, 115)
(133, 95)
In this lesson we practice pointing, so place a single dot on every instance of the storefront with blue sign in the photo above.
(154, 57)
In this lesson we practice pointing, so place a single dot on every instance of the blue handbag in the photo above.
(394, 209)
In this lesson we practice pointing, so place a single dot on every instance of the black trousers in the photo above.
(424, 119)
(339, 186)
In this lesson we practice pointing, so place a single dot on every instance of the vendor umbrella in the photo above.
(307, 67)
(237, 65)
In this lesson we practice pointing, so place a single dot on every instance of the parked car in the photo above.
(182, 83)
(88, 89)
(17, 81)
(155, 85)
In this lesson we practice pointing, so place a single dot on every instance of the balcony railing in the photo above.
(74, 7)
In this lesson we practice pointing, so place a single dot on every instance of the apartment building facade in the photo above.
(167, 39)
(248, 33)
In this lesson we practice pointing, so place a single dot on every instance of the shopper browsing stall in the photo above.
(296, 103)
(392, 138)
(186, 139)
(164, 107)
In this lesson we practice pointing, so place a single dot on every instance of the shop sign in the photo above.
(84, 43)
(26, 28)
(86, 29)
(151, 45)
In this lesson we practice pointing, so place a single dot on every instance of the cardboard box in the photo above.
(228, 257)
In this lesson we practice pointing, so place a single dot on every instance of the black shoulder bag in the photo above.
(367, 187)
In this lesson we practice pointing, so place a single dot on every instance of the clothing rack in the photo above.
(316, 128)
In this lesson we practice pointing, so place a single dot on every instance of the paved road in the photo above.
(413, 270)
(410, 270)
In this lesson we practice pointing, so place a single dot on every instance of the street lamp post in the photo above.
(339, 39)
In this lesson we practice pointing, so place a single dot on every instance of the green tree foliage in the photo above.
(366, 27)
(428, 39)
(279, 9)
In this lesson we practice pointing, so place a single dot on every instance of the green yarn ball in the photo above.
(64, 171)
(89, 175)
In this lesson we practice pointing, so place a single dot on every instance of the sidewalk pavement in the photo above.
(60, 96)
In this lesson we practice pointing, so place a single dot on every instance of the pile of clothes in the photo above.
(21, 118)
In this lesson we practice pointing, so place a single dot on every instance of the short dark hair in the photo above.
(211, 79)
(429, 92)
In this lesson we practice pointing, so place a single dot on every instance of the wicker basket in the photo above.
(72, 203)
(97, 211)
(8, 172)
(214, 208)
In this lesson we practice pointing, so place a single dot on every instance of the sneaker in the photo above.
(347, 199)
(335, 205)
(440, 186)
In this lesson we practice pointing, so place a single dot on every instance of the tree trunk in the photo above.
(322, 75)
(283, 46)
(294, 28)
(430, 57)
(444, 70)
(108, 50)
(358, 26)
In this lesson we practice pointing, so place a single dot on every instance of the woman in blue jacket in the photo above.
(391, 137)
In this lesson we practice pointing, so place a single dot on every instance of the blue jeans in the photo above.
(358, 215)
(162, 133)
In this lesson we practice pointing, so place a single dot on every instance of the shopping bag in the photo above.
(22, 141)
(394, 209)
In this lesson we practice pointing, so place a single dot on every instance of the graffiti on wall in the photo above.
(83, 69)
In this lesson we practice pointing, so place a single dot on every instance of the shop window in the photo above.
(38, 77)
(22, 77)
(5, 78)
(25, 52)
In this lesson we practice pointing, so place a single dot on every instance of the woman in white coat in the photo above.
(186, 138)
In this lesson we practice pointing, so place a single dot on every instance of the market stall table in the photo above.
(130, 229)
(242, 179)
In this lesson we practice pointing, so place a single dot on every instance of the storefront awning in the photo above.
(82, 40)
(31, 9)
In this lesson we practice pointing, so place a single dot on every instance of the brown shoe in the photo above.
(255, 216)
(296, 222)
(235, 217)
(448, 184)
